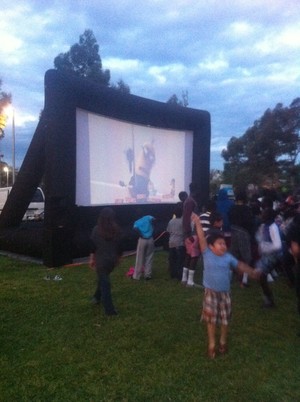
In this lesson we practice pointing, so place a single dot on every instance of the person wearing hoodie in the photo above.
(223, 206)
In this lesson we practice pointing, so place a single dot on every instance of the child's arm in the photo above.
(253, 273)
(200, 233)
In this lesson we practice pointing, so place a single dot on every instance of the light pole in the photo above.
(13, 131)
(6, 170)
(10, 110)
(1, 156)
(13, 147)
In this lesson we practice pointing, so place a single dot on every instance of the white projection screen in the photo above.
(120, 162)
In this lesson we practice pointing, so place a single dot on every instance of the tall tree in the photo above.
(83, 60)
(268, 150)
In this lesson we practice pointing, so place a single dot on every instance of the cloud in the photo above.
(235, 58)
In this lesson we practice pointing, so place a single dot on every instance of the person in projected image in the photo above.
(140, 182)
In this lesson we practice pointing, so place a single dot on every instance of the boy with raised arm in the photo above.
(218, 264)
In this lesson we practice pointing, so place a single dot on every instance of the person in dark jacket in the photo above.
(105, 254)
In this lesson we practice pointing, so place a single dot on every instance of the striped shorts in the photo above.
(216, 307)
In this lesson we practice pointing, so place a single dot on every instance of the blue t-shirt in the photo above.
(144, 226)
(217, 270)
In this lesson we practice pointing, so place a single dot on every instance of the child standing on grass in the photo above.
(218, 264)
(105, 254)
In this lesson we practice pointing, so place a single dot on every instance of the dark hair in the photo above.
(268, 215)
(183, 195)
(211, 206)
(178, 210)
(215, 217)
(213, 236)
(241, 196)
(266, 202)
(107, 225)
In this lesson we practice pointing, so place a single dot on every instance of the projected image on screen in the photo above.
(120, 162)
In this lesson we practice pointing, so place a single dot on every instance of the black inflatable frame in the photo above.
(52, 155)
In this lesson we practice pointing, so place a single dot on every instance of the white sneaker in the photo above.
(57, 278)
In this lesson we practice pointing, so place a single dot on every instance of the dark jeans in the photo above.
(176, 259)
(103, 293)
(297, 285)
(267, 263)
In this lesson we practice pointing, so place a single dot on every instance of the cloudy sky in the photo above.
(236, 58)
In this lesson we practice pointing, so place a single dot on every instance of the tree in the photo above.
(83, 60)
(268, 150)
(174, 100)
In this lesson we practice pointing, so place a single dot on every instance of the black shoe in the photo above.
(148, 278)
(111, 312)
(95, 301)
(268, 304)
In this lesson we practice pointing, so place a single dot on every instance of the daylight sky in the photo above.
(236, 58)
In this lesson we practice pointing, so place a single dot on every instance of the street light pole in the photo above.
(10, 109)
(1, 156)
(6, 170)
(13, 147)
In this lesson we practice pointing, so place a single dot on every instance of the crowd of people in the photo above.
(243, 238)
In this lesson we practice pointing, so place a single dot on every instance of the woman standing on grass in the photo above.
(218, 264)
(105, 254)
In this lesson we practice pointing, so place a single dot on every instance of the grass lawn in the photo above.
(56, 346)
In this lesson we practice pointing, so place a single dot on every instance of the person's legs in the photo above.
(288, 264)
(209, 315)
(106, 295)
(211, 335)
(192, 269)
(180, 255)
(267, 292)
(97, 295)
(139, 259)
(297, 285)
(223, 339)
(149, 253)
(265, 265)
(194, 253)
(224, 316)
(185, 271)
